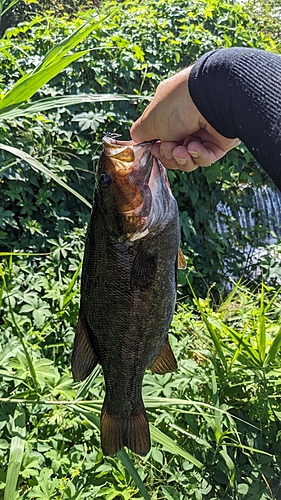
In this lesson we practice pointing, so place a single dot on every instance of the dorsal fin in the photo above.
(84, 358)
(165, 362)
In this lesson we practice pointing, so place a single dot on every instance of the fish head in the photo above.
(133, 190)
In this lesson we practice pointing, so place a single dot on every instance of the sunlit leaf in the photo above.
(16, 452)
(41, 168)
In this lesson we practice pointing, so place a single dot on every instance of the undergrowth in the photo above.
(215, 423)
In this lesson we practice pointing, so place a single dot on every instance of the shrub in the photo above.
(129, 54)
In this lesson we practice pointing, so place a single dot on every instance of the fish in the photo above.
(128, 288)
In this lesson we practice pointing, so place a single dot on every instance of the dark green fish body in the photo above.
(128, 288)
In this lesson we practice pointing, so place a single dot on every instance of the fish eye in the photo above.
(105, 180)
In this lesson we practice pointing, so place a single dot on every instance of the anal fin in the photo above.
(165, 362)
(117, 432)
(84, 358)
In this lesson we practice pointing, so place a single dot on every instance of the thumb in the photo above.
(142, 130)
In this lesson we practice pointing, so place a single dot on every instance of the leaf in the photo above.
(41, 168)
(16, 452)
(127, 462)
(87, 384)
(274, 349)
(53, 63)
(261, 337)
(122, 455)
(28, 85)
(170, 493)
(41, 105)
(173, 447)
(210, 328)
(65, 299)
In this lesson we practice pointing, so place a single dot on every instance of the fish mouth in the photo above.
(142, 189)
(121, 152)
(149, 216)
(124, 153)
(131, 165)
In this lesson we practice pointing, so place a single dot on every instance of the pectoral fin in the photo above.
(84, 358)
(166, 361)
(181, 260)
(143, 269)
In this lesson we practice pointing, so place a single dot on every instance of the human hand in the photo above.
(187, 140)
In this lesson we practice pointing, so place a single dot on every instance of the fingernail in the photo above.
(194, 154)
(166, 153)
(180, 161)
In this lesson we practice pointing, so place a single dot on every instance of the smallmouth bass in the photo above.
(128, 288)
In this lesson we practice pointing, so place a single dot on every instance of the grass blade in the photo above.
(11, 4)
(274, 348)
(16, 452)
(86, 385)
(41, 168)
(58, 52)
(68, 295)
(53, 63)
(128, 464)
(17, 329)
(210, 328)
(243, 345)
(261, 337)
(173, 447)
(29, 84)
(41, 105)
(122, 455)
(230, 465)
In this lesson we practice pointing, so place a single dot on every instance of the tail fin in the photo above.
(117, 432)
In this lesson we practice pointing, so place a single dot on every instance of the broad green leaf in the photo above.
(41, 168)
(16, 452)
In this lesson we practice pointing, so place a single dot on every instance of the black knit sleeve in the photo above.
(238, 91)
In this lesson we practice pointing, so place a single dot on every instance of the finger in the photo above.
(139, 132)
(166, 148)
(203, 154)
(186, 164)
(204, 136)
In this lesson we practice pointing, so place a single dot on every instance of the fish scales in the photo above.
(128, 288)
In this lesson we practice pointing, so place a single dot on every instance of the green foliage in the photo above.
(215, 423)
(128, 54)
(267, 14)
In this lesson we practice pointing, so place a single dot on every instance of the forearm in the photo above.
(238, 91)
